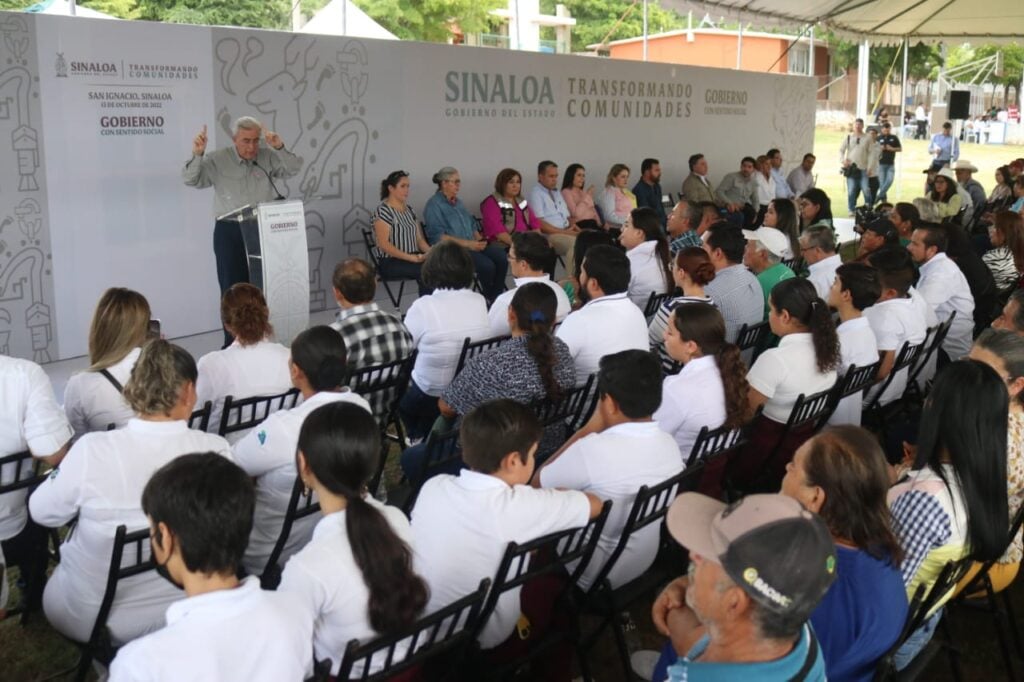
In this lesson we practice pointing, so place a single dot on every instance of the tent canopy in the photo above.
(342, 17)
(879, 21)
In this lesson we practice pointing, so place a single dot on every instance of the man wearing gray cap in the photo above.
(758, 569)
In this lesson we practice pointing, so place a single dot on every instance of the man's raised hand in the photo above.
(199, 143)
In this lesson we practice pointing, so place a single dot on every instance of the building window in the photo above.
(799, 59)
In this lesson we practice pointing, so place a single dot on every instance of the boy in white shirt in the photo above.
(619, 450)
(462, 524)
(200, 509)
(856, 287)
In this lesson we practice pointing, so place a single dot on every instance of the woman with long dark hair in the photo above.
(953, 503)
(781, 215)
(532, 365)
(947, 201)
(1006, 257)
(647, 250)
(711, 389)
(267, 453)
(579, 200)
(356, 574)
(815, 208)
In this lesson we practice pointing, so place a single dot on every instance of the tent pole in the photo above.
(739, 45)
(810, 57)
(863, 79)
(903, 106)
(645, 30)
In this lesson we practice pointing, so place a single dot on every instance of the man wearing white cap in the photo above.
(766, 247)
(965, 170)
(758, 569)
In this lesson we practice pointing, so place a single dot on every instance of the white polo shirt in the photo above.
(612, 465)
(462, 524)
(30, 419)
(895, 322)
(645, 273)
(781, 374)
(242, 372)
(823, 273)
(945, 288)
(498, 314)
(692, 399)
(243, 634)
(101, 481)
(439, 324)
(324, 579)
(92, 403)
(859, 347)
(267, 453)
(603, 326)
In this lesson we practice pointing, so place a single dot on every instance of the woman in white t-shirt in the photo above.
(252, 365)
(356, 574)
(804, 363)
(691, 271)
(100, 483)
(92, 399)
(647, 250)
(711, 389)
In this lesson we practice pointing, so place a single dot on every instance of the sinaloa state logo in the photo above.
(61, 66)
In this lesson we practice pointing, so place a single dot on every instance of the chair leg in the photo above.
(618, 628)
(401, 293)
(998, 617)
(391, 294)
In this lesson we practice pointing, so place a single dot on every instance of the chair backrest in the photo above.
(752, 336)
(558, 549)
(713, 442)
(446, 631)
(857, 379)
(471, 348)
(389, 379)
(129, 557)
(812, 408)
(933, 341)
(442, 454)
(569, 408)
(21, 471)
(370, 241)
(649, 506)
(907, 356)
(795, 264)
(245, 413)
(654, 302)
(200, 419)
(979, 579)
(301, 504)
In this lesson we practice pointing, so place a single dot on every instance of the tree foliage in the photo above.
(596, 19)
(922, 64)
(250, 13)
(430, 20)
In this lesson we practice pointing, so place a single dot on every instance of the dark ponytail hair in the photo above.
(703, 324)
(799, 298)
(320, 353)
(535, 305)
(340, 442)
(696, 263)
(647, 221)
(391, 180)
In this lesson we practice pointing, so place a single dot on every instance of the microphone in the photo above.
(269, 179)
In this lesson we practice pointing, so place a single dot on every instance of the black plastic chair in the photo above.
(879, 415)
(200, 419)
(571, 409)
(713, 442)
(855, 380)
(22, 471)
(655, 302)
(135, 546)
(794, 264)
(246, 413)
(445, 633)
(518, 568)
(649, 506)
(301, 504)
(753, 337)
(370, 242)
(933, 342)
(471, 348)
(442, 455)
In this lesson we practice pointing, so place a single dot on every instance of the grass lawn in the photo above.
(909, 182)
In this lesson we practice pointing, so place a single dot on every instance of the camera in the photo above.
(865, 215)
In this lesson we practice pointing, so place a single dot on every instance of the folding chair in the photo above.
(795, 264)
(855, 380)
(1002, 615)
(879, 415)
(655, 302)
(442, 455)
(649, 506)
(667, 202)
(571, 409)
(471, 348)
(135, 546)
(271, 576)
(923, 603)
(713, 442)
(932, 342)
(753, 337)
(200, 419)
(446, 633)
(246, 413)
(518, 568)
(370, 242)
(22, 471)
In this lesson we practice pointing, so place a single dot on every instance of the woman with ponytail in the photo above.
(267, 453)
(532, 365)
(252, 365)
(647, 250)
(691, 270)
(805, 362)
(356, 574)
(711, 389)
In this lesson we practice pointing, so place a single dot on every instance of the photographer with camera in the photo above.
(854, 157)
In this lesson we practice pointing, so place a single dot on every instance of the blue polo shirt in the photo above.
(441, 217)
(650, 196)
(804, 658)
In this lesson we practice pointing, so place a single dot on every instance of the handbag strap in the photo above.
(114, 382)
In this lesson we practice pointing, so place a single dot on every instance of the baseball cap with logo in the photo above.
(884, 228)
(779, 553)
(774, 240)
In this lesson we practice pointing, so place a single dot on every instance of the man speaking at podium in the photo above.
(241, 175)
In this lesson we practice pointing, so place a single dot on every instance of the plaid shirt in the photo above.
(372, 337)
(688, 238)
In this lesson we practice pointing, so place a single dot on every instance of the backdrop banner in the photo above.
(101, 115)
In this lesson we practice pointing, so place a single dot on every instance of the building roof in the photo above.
(707, 31)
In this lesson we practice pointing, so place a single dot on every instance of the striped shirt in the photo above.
(405, 228)
(738, 295)
(656, 329)
(1004, 270)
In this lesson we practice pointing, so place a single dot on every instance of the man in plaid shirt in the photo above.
(372, 336)
(688, 222)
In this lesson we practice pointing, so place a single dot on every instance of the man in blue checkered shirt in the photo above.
(687, 223)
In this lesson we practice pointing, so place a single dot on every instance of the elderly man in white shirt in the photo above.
(529, 258)
(608, 322)
(549, 206)
(944, 287)
(818, 248)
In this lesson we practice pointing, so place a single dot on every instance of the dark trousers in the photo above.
(395, 269)
(418, 411)
(491, 267)
(27, 551)
(232, 264)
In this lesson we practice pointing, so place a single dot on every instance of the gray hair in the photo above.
(820, 236)
(1018, 319)
(245, 123)
(1008, 346)
(694, 213)
(444, 174)
(769, 256)
(927, 209)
